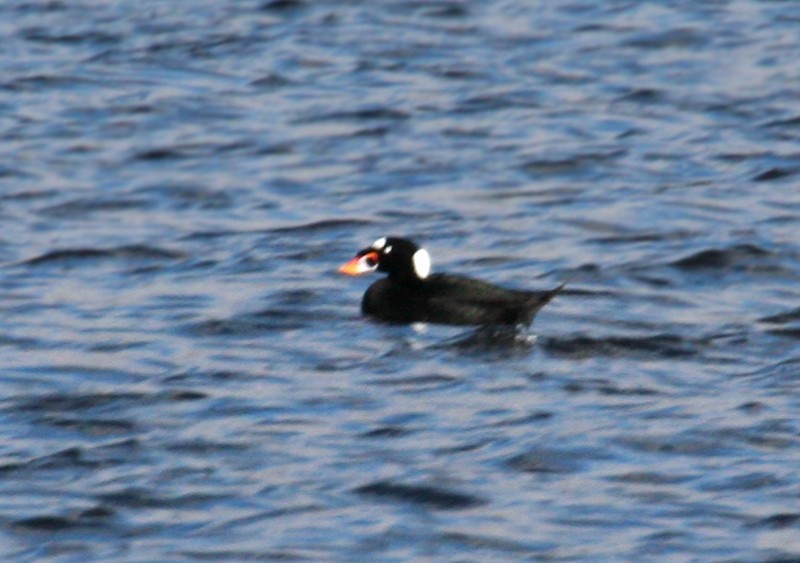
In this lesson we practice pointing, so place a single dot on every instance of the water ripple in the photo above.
(185, 376)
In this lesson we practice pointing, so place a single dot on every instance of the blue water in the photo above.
(185, 377)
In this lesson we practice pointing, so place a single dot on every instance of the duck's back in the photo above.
(455, 300)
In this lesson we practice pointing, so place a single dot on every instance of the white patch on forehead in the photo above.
(379, 244)
(422, 263)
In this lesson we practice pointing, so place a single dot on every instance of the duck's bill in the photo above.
(360, 264)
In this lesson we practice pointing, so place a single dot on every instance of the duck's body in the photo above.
(411, 294)
(454, 300)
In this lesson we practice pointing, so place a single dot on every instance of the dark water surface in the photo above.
(185, 377)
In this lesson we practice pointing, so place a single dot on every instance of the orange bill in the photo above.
(360, 264)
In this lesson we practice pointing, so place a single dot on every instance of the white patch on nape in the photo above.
(379, 244)
(422, 263)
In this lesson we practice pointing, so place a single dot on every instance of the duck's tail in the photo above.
(538, 300)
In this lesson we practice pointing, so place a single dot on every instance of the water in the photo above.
(185, 376)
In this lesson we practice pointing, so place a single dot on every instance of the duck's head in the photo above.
(401, 258)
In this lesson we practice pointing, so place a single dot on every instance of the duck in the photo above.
(411, 293)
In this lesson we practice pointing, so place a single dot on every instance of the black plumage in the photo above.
(411, 294)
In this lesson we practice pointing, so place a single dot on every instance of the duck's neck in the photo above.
(406, 278)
